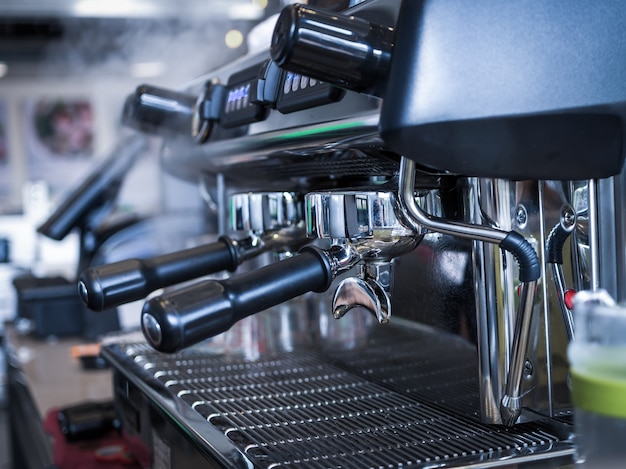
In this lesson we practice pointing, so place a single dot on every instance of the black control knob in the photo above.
(176, 320)
(155, 110)
(342, 50)
(111, 285)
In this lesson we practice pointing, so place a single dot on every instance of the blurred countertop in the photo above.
(53, 377)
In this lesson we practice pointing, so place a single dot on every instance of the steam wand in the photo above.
(529, 273)
(554, 255)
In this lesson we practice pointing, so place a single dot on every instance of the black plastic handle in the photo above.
(111, 285)
(342, 50)
(176, 320)
(156, 110)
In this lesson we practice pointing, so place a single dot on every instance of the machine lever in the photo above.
(342, 50)
(121, 282)
(176, 320)
(156, 110)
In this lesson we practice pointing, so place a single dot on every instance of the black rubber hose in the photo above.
(555, 243)
(525, 254)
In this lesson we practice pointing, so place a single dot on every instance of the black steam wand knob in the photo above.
(111, 285)
(160, 111)
(176, 320)
(342, 50)
(155, 110)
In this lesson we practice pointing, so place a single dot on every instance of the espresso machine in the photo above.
(453, 175)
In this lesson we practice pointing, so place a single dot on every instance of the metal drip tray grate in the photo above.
(364, 409)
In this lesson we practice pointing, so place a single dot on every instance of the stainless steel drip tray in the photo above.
(408, 399)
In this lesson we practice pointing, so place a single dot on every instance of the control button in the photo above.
(295, 84)
(246, 95)
(264, 90)
(288, 80)
(304, 82)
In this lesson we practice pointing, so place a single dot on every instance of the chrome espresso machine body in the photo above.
(454, 174)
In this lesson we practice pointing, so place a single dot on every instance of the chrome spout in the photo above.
(368, 290)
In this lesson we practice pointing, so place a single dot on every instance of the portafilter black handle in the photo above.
(176, 320)
(342, 50)
(156, 110)
(111, 285)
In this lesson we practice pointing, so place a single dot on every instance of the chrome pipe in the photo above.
(417, 219)
(559, 284)
(511, 404)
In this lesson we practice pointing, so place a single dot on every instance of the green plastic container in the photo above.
(598, 376)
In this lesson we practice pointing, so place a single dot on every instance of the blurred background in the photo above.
(66, 67)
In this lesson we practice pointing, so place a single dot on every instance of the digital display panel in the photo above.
(238, 108)
(299, 92)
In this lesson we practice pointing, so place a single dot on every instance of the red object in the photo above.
(568, 298)
(107, 452)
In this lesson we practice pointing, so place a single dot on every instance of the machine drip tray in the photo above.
(410, 398)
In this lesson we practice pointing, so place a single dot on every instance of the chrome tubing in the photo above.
(511, 403)
(418, 219)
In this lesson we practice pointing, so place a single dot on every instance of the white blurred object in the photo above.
(8, 271)
(36, 200)
(260, 37)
